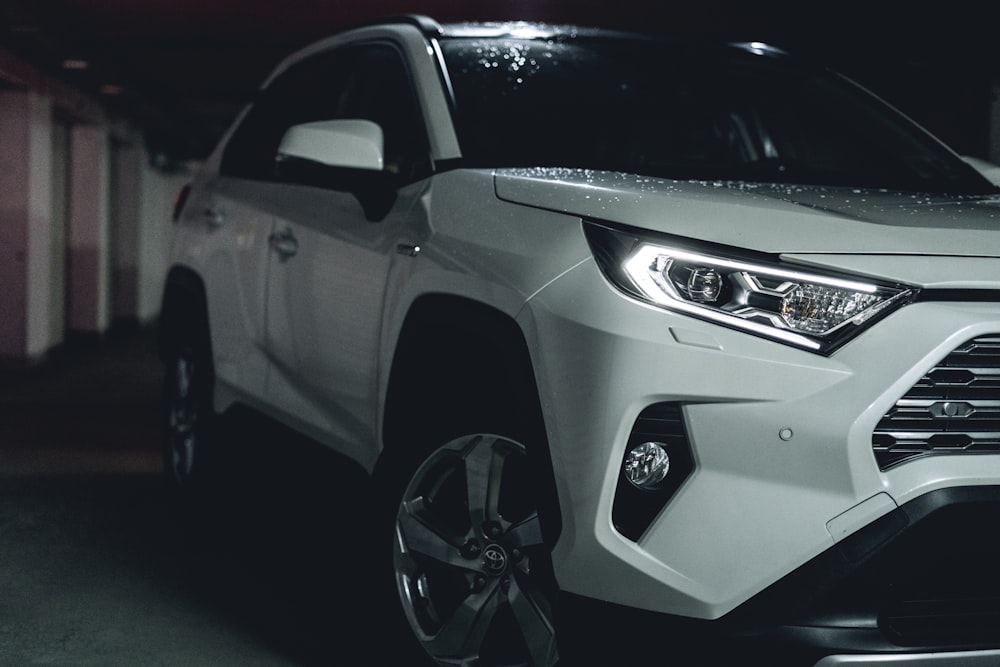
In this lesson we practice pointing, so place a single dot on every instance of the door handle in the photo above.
(214, 217)
(408, 249)
(284, 243)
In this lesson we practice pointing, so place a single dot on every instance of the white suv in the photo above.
(704, 332)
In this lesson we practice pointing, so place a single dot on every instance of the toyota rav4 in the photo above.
(707, 334)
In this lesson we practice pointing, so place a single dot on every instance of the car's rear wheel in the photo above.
(472, 573)
(189, 414)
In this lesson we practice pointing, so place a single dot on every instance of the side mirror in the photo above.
(989, 171)
(351, 144)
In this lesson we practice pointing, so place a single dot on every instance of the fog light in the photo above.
(647, 465)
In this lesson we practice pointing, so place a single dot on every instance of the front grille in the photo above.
(953, 409)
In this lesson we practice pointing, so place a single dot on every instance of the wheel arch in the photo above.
(183, 312)
(459, 367)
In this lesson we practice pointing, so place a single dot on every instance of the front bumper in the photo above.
(784, 472)
(936, 659)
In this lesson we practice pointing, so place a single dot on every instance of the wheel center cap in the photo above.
(494, 559)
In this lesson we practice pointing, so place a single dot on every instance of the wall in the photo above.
(85, 222)
(25, 216)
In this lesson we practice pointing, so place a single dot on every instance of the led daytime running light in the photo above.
(796, 307)
(647, 253)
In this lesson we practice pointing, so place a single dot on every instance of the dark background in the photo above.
(100, 564)
(182, 68)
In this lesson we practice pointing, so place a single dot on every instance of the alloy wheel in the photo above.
(472, 572)
(183, 415)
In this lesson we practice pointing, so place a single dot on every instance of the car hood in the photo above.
(767, 217)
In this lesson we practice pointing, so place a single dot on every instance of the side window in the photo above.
(299, 95)
(378, 89)
(368, 82)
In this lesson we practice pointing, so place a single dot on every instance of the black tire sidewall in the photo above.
(391, 477)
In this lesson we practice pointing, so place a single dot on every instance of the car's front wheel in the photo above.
(472, 573)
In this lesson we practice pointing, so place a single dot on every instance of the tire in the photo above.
(473, 578)
(189, 414)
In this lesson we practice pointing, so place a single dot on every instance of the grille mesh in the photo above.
(953, 409)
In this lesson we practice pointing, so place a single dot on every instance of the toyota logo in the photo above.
(495, 559)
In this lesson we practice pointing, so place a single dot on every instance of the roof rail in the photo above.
(425, 24)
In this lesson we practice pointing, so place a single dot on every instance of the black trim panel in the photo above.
(971, 295)
(921, 577)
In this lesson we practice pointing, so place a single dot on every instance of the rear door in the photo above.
(229, 210)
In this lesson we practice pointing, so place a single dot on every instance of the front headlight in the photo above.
(758, 294)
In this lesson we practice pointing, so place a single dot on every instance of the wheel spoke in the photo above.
(422, 538)
(182, 410)
(483, 468)
(182, 419)
(182, 455)
(526, 533)
(534, 616)
(183, 375)
(461, 636)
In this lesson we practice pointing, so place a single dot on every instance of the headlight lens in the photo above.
(812, 310)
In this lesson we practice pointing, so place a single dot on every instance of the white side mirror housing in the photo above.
(351, 144)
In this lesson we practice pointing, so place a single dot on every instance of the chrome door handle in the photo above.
(284, 243)
(214, 217)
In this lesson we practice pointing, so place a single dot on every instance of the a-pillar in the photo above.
(88, 274)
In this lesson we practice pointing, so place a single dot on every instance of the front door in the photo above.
(330, 268)
(334, 246)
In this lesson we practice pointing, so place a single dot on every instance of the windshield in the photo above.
(659, 109)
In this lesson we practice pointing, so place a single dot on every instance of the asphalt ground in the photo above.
(101, 563)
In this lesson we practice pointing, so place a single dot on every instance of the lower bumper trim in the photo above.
(949, 659)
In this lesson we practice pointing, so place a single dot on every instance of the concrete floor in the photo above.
(100, 564)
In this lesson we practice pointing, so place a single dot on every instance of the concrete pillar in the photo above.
(88, 240)
(128, 163)
(84, 231)
(25, 225)
(60, 227)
